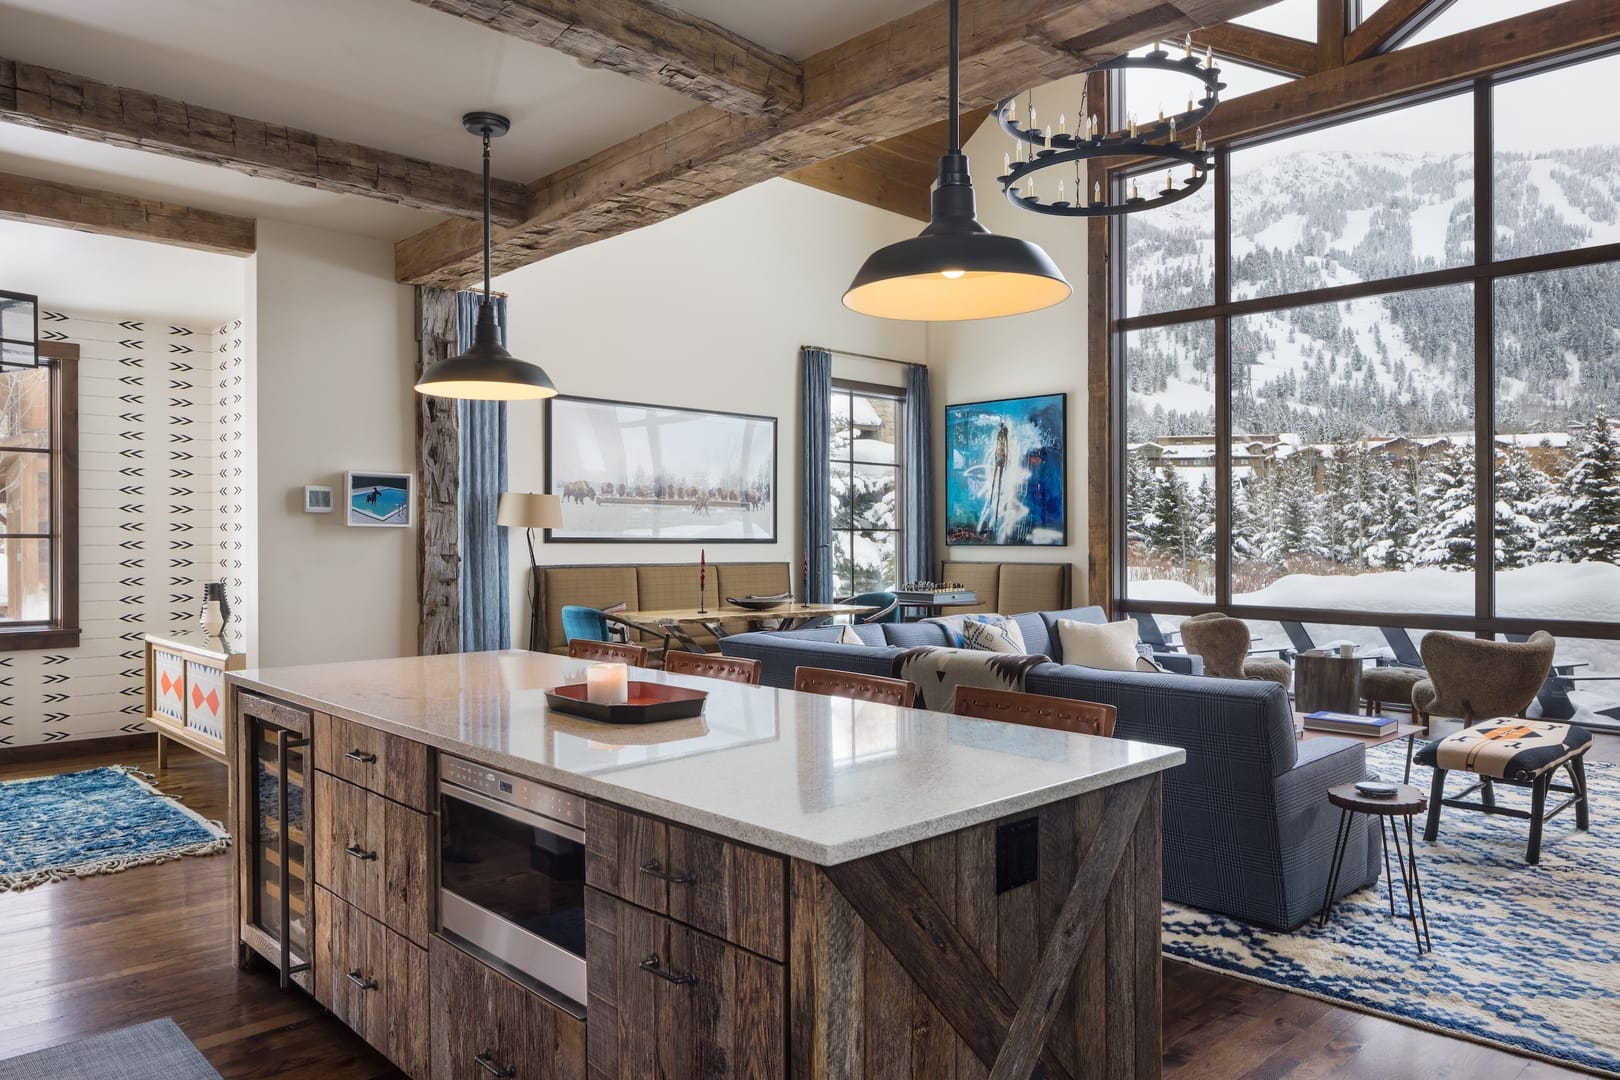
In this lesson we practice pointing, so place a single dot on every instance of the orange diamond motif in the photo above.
(197, 696)
(213, 702)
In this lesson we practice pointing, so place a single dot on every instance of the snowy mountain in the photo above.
(1384, 366)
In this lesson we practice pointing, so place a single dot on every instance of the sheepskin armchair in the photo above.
(1224, 642)
(1471, 679)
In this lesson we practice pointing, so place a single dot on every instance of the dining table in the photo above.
(674, 622)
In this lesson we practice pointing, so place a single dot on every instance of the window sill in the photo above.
(34, 637)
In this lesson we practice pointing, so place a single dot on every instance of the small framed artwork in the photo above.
(378, 499)
(1004, 472)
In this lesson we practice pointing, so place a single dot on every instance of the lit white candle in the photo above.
(607, 684)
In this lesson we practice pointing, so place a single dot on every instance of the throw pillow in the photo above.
(848, 636)
(992, 633)
(1107, 646)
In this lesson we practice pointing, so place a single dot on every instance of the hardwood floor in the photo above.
(82, 957)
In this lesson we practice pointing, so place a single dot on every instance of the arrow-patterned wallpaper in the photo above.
(162, 482)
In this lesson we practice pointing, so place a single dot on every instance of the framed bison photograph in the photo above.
(657, 473)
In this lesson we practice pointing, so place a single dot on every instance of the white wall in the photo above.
(706, 310)
(331, 359)
(1040, 353)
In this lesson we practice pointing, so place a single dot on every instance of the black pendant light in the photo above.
(486, 371)
(956, 269)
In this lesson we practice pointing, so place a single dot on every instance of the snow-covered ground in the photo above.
(1563, 591)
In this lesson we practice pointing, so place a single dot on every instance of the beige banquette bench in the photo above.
(1011, 588)
(648, 587)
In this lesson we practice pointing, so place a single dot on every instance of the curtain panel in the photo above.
(917, 554)
(486, 621)
(817, 491)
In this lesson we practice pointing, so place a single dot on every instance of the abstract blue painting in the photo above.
(1004, 472)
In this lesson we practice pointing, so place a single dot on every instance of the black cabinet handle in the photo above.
(360, 981)
(654, 868)
(358, 852)
(487, 1062)
(651, 966)
(361, 756)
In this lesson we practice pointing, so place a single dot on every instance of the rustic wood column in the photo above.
(438, 463)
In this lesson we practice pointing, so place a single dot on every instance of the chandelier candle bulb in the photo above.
(1209, 56)
(1096, 191)
(1189, 46)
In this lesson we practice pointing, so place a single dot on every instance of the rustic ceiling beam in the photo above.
(1397, 19)
(652, 42)
(46, 202)
(1260, 48)
(70, 104)
(875, 86)
(893, 175)
(1551, 32)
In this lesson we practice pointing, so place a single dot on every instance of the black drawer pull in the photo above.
(358, 852)
(361, 756)
(654, 868)
(486, 1061)
(360, 981)
(651, 967)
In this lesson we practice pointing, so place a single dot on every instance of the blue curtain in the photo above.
(486, 621)
(917, 558)
(817, 496)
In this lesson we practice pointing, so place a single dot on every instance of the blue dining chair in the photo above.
(584, 623)
(887, 604)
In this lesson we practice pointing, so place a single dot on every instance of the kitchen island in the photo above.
(786, 885)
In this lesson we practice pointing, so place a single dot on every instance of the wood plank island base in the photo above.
(792, 885)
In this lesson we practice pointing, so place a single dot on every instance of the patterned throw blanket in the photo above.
(937, 672)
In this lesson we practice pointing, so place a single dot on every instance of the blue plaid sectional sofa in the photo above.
(1248, 830)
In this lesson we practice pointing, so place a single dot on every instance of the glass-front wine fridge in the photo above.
(273, 786)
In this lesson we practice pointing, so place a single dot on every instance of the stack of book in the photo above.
(1341, 723)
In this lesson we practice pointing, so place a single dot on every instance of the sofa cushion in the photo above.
(1089, 614)
(1037, 638)
(993, 633)
(590, 586)
(1111, 646)
(908, 635)
(984, 578)
(1031, 587)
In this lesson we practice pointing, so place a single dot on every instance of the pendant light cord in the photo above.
(486, 208)
(955, 90)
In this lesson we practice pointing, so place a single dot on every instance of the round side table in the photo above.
(1407, 803)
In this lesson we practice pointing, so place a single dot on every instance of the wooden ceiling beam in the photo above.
(1260, 48)
(652, 42)
(1395, 20)
(70, 104)
(46, 202)
(883, 83)
(896, 174)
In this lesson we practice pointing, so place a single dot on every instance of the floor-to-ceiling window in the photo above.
(867, 472)
(1373, 376)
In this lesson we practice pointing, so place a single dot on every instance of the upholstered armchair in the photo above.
(1471, 679)
(1224, 643)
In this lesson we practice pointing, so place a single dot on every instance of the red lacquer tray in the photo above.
(648, 703)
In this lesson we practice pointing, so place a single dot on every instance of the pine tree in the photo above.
(1446, 536)
(1520, 487)
(1138, 494)
(1164, 523)
(1203, 519)
(1395, 524)
(1591, 489)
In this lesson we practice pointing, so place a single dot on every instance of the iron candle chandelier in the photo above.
(1043, 150)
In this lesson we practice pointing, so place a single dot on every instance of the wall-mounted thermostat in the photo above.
(317, 500)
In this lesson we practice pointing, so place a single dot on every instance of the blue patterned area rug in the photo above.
(99, 821)
(1526, 958)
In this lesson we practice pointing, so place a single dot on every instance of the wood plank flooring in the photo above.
(82, 957)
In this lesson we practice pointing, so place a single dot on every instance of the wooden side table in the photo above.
(1407, 803)
(185, 692)
(1327, 681)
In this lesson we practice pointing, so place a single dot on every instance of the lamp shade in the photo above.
(956, 269)
(486, 371)
(529, 510)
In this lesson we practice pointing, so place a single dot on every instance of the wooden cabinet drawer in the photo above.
(373, 853)
(375, 760)
(373, 980)
(484, 1024)
(727, 889)
(667, 1000)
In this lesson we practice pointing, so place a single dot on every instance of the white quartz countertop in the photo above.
(818, 778)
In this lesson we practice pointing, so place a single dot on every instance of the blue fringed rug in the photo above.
(99, 821)
(1526, 958)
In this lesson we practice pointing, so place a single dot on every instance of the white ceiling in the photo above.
(392, 74)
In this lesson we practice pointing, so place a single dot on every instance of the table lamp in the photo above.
(530, 510)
